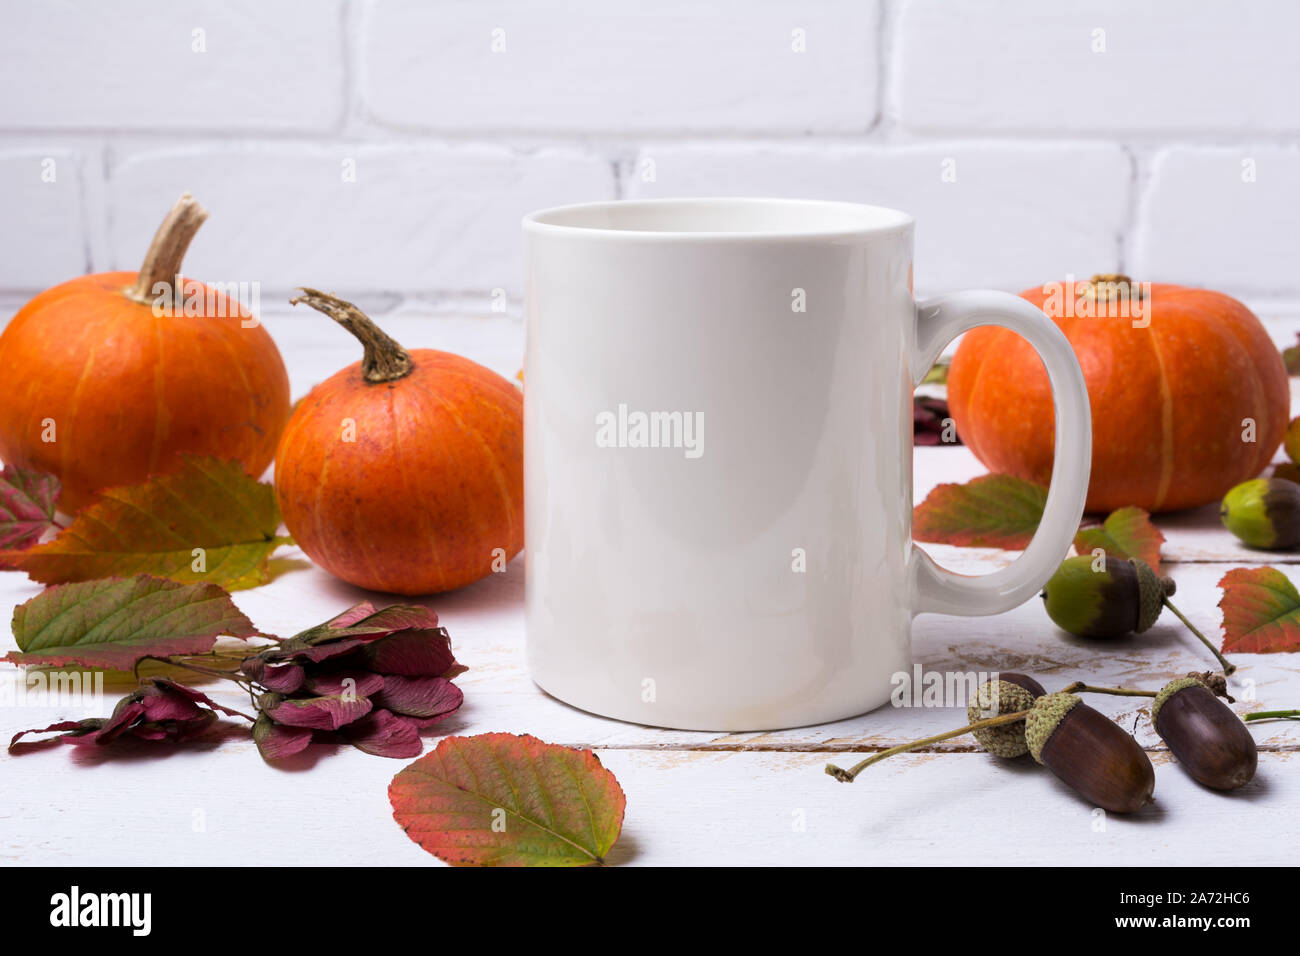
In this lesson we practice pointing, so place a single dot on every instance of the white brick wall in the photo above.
(987, 214)
(1031, 139)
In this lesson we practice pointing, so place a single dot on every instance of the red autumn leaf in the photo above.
(316, 713)
(275, 741)
(161, 709)
(507, 800)
(1126, 533)
(117, 622)
(384, 734)
(27, 505)
(1261, 611)
(992, 511)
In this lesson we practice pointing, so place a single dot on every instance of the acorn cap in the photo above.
(1044, 718)
(1007, 740)
(1173, 687)
(1151, 594)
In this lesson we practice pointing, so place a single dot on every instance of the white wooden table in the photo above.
(692, 797)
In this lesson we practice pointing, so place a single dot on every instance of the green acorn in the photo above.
(1209, 740)
(996, 697)
(1122, 598)
(1090, 753)
(1119, 597)
(1264, 513)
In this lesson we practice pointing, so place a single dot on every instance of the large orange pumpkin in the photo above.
(1189, 395)
(405, 471)
(107, 378)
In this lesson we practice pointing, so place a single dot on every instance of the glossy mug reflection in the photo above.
(718, 448)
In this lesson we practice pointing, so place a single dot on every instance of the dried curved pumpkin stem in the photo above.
(385, 360)
(162, 263)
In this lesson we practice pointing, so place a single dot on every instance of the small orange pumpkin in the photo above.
(404, 472)
(106, 380)
(1189, 395)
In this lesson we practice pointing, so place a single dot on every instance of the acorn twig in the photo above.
(1274, 715)
(1228, 667)
(847, 776)
(1079, 687)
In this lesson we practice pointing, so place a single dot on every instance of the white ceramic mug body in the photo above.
(718, 448)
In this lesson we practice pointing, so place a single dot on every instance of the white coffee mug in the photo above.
(718, 458)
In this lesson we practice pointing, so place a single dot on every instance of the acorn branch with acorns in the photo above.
(1092, 754)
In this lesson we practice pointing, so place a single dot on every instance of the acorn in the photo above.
(1122, 597)
(1209, 740)
(1291, 440)
(1023, 680)
(996, 697)
(1090, 753)
(1264, 513)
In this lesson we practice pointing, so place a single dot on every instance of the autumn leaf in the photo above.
(992, 511)
(1261, 611)
(27, 504)
(1126, 533)
(117, 622)
(209, 521)
(507, 800)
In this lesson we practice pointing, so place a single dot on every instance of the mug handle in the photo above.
(938, 321)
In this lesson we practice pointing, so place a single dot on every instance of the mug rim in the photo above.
(874, 220)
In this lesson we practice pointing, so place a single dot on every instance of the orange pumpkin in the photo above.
(1189, 395)
(405, 471)
(107, 378)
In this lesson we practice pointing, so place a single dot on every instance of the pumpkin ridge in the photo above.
(425, 529)
(377, 573)
(972, 441)
(1166, 423)
(475, 436)
(75, 410)
(1264, 454)
(248, 389)
(160, 412)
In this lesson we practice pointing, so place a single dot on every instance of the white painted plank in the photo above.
(486, 625)
(227, 808)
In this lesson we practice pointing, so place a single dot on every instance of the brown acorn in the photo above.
(1090, 753)
(1023, 680)
(1209, 740)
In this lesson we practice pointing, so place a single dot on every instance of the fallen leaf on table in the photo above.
(208, 521)
(507, 800)
(115, 623)
(1261, 611)
(27, 504)
(161, 709)
(992, 511)
(1126, 533)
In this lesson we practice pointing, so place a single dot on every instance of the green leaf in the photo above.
(507, 800)
(1126, 533)
(992, 511)
(209, 521)
(116, 623)
(1261, 611)
(27, 504)
(938, 374)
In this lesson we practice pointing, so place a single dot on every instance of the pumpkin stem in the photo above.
(162, 263)
(1112, 286)
(385, 360)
